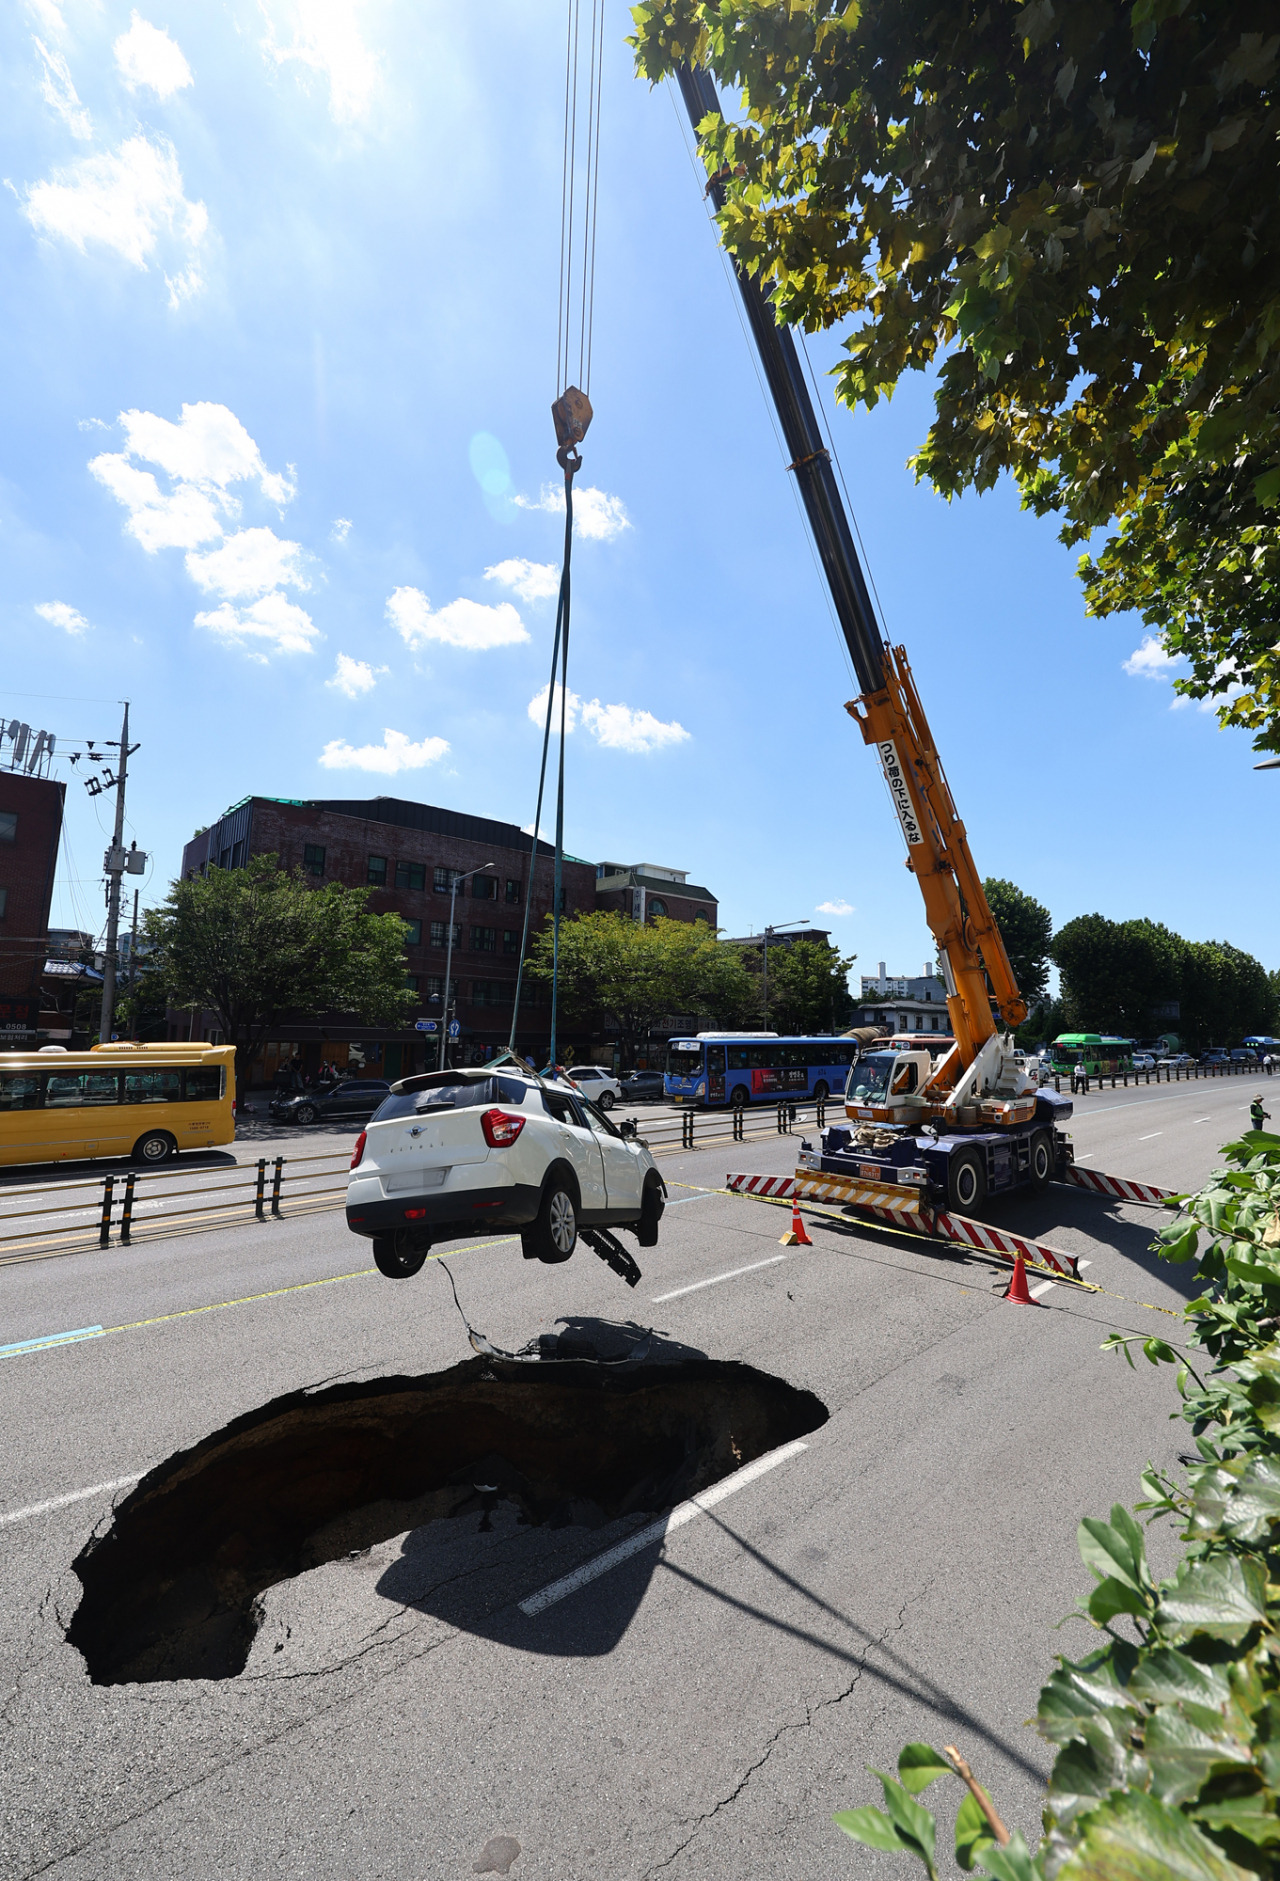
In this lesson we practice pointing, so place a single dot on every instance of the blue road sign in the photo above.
(424, 1025)
(455, 1030)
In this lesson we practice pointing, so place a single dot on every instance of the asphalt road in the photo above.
(700, 1710)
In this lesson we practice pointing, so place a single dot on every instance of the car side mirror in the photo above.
(627, 1127)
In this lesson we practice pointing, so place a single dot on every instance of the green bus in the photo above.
(1097, 1054)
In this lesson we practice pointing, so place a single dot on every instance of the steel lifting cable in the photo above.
(571, 412)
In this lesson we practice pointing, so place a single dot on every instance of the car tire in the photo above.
(401, 1255)
(156, 1147)
(553, 1234)
(966, 1181)
(305, 1113)
(821, 1091)
(606, 1100)
(739, 1097)
(652, 1204)
(1042, 1159)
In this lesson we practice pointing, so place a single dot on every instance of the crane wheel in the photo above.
(966, 1182)
(1041, 1159)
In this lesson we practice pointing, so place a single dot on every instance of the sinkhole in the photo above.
(172, 1588)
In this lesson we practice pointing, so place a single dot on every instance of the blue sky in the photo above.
(280, 337)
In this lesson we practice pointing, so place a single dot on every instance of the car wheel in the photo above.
(651, 1206)
(305, 1113)
(821, 1091)
(966, 1181)
(739, 1098)
(1041, 1160)
(154, 1148)
(553, 1235)
(401, 1255)
(606, 1100)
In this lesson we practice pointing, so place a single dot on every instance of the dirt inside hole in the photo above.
(171, 1589)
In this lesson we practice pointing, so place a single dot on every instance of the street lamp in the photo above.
(448, 958)
(768, 935)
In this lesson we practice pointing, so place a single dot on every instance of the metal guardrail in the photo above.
(1173, 1074)
(699, 1129)
(257, 1194)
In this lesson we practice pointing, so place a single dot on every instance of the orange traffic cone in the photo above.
(796, 1235)
(1017, 1290)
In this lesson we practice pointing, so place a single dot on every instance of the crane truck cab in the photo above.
(888, 1087)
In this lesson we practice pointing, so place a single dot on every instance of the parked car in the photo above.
(356, 1098)
(596, 1083)
(640, 1087)
(453, 1153)
(1143, 1061)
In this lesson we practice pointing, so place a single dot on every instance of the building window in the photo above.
(377, 877)
(4, 902)
(484, 940)
(702, 914)
(411, 874)
(312, 859)
(440, 933)
(657, 908)
(443, 880)
(513, 893)
(411, 982)
(492, 992)
(484, 887)
(435, 986)
(510, 941)
(9, 828)
(413, 933)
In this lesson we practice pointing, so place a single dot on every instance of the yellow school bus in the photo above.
(144, 1101)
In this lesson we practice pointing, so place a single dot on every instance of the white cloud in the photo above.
(127, 199)
(354, 676)
(341, 528)
(597, 516)
(327, 40)
(248, 563)
(618, 727)
(177, 519)
(461, 623)
(58, 89)
(58, 614)
(147, 56)
(840, 906)
(48, 17)
(1150, 660)
(395, 753)
(274, 622)
(531, 581)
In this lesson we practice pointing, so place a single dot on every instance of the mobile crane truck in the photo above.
(922, 1138)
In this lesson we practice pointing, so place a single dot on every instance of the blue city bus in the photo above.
(740, 1068)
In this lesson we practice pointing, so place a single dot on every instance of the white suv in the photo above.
(596, 1083)
(465, 1152)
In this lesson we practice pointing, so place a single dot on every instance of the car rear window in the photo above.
(465, 1094)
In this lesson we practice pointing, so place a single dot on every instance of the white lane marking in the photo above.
(64, 1502)
(657, 1531)
(1084, 1263)
(1044, 1287)
(1151, 1137)
(705, 1197)
(49, 1339)
(1203, 1119)
(715, 1279)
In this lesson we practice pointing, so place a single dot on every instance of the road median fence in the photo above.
(1163, 1074)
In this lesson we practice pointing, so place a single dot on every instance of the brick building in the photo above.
(407, 854)
(647, 892)
(30, 830)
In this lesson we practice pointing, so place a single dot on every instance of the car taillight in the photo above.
(500, 1129)
(358, 1151)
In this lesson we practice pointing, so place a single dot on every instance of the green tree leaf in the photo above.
(1221, 1597)
(973, 1833)
(919, 1765)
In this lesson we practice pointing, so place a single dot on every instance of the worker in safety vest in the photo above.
(1257, 1115)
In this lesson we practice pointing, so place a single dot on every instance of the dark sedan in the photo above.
(354, 1100)
(639, 1086)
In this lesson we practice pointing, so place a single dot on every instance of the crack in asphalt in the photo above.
(805, 1724)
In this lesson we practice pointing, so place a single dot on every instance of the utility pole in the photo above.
(769, 933)
(457, 881)
(117, 860)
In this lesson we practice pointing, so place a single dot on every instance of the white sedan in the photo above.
(597, 1084)
(467, 1152)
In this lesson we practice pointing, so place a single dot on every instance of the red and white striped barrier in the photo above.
(909, 1212)
(1119, 1186)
